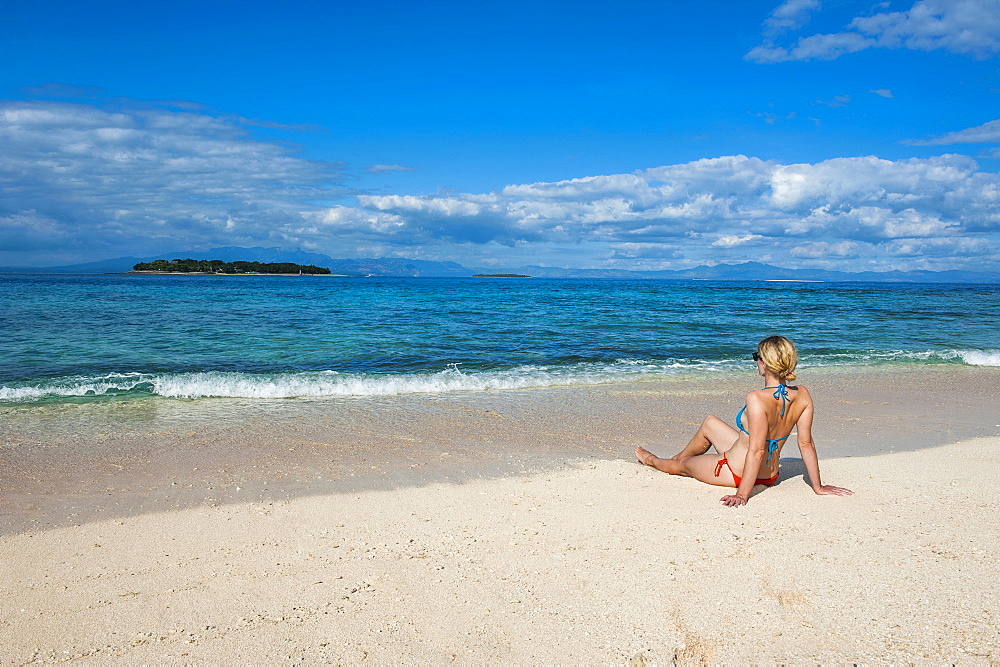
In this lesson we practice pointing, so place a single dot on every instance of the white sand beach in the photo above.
(586, 559)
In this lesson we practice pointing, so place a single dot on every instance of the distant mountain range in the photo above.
(394, 267)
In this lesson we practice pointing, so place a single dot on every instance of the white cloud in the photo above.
(987, 133)
(347, 218)
(645, 251)
(823, 250)
(790, 15)
(387, 168)
(846, 209)
(973, 249)
(837, 102)
(883, 92)
(132, 179)
(733, 240)
(816, 47)
(966, 27)
(847, 183)
(105, 182)
(28, 231)
(872, 222)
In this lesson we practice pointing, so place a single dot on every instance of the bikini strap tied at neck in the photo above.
(781, 391)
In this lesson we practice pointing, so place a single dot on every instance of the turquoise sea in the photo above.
(115, 337)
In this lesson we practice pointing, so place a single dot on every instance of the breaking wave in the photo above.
(219, 384)
(331, 383)
(872, 357)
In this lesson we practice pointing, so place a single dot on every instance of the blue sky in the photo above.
(806, 133)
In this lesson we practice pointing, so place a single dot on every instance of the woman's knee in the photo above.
(712, 426)
(719, 433)
(711, 420)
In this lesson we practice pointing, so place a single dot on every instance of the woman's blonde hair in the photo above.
(779, 356)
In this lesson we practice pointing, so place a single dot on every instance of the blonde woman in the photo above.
(749, 455)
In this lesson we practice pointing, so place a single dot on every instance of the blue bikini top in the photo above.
(781, 391)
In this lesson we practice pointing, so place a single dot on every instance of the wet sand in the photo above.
(504, 526)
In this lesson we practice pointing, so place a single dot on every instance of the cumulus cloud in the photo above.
(987, 133)
(973, 249)
(966, 27)
(645, 251)
(823, 249)
(733, 208)
(98, 182)
(129, 178)
(733, 240)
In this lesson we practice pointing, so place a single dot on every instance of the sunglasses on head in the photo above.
(756, 357)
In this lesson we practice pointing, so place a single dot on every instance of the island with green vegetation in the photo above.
(500, 275)
(215, 266)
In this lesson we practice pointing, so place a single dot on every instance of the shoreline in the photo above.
(327, 384)
(74, 462)
(208, 273)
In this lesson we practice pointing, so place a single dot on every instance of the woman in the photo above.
(749, 456)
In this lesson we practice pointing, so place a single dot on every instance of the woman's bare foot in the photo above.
(669, 466)
(645, 457)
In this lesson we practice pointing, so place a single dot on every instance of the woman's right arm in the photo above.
(807, 448)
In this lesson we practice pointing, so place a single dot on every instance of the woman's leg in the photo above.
(701, 467)
(689, 463)
(669, 466)
(713, 431)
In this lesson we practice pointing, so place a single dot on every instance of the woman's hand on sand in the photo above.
(827, 490)
(735, 501)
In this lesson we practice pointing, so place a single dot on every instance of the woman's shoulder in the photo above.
(800, 394)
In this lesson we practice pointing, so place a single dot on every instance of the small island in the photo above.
(217, 266)
(500, 275)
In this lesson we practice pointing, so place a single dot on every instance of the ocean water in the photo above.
(116, 337)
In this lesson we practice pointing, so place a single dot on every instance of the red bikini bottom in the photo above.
(725, 461)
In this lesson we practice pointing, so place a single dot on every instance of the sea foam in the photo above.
(222, 384)
(331, 383)
(219, 384)
(980, 357)
(103, 385)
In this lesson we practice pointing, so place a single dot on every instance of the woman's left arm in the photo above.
(807, 449)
